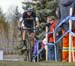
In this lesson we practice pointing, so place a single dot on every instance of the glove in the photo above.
(37, 29)
(19, 28)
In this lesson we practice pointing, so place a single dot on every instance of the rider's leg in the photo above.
(24, 35)
(24, 39)
(33, 37)
(34, 45)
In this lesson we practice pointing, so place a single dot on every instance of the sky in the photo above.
(5, 4)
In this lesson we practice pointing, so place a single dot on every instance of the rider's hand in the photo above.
(37, 29)
(19, 27)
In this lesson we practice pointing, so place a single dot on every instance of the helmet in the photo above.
(29, 9)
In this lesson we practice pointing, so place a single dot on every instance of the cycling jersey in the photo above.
(28, 21)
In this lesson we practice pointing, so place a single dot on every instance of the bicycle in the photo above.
(29, 44)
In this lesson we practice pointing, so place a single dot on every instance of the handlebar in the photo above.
(29, 29)
(36, 29)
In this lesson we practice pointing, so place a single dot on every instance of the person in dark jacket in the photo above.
(63, 12)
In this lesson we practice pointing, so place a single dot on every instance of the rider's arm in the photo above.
(37, 22)
(20, 22)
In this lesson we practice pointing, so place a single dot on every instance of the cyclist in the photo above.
(28, 20)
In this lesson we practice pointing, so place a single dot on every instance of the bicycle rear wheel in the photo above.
(29, 47)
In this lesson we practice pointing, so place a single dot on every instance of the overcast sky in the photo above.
(5, 4)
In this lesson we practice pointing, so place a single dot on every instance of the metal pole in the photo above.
(55, 46)
(70, 37)
(47, 45)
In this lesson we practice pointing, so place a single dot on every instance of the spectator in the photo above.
(63, 12)
(51, 23)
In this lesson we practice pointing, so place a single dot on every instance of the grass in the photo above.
(11, 63)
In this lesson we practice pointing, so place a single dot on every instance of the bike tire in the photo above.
(29, 48)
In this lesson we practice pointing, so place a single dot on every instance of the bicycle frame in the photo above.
(29, 42)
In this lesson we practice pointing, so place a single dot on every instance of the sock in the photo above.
(24, 42)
